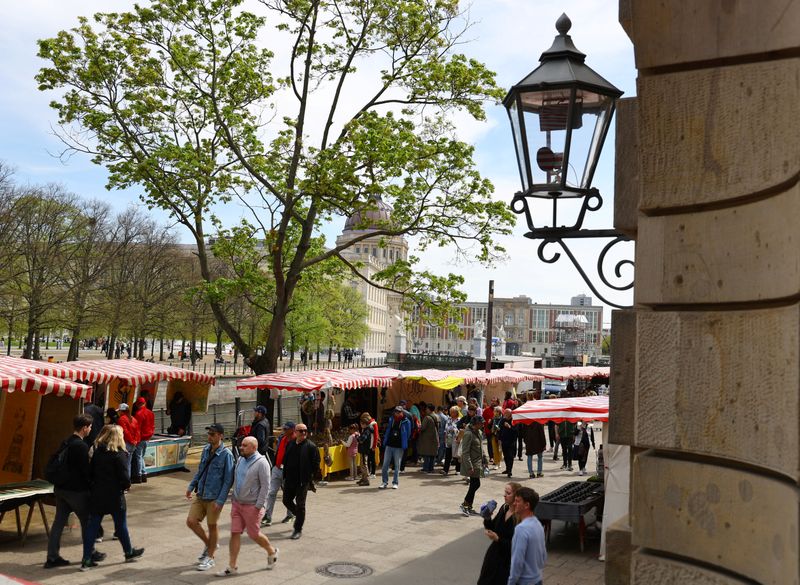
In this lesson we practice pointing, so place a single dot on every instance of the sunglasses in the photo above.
(302, 430)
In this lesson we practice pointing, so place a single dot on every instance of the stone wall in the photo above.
(706, 366)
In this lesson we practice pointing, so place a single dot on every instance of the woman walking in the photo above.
(451, 445)
(472, 461)
(110, 478)
(584, 434)
(500, 531)
(508, 441)
(535, 444)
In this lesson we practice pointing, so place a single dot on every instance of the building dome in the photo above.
(378, 212)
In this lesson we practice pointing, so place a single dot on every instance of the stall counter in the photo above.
(166, 452)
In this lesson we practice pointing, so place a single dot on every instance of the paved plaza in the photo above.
(413, 535)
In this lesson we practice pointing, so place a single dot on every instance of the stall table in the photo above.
(15, 495)
(570, 503)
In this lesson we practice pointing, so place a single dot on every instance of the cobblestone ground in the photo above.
(413, 535)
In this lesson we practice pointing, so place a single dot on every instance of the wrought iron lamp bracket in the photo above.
(554, 234)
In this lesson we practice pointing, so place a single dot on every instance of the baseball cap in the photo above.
(288, 424)
(402, 403)
(122, 406)
(216, 428)
(260, 409)
(398, 409)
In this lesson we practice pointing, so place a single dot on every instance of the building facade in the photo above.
(384, 308)
(528, 328)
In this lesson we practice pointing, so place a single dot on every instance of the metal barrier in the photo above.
(240, 369)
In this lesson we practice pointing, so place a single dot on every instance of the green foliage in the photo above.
(180, 98)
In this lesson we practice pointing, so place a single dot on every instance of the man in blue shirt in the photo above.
(528, 553)
(212, 482)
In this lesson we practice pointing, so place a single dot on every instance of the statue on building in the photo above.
(479, 329)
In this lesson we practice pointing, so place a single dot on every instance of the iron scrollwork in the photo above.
(592, 201)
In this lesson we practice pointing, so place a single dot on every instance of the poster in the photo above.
(195, 392)
(119, 391)
(17, 433)
(167, 455)
(150, 455)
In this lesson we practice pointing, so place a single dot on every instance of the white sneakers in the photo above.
(228, 572)
(206, 564)
(272, 559)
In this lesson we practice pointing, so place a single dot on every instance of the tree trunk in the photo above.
(218, 348)
(37, 352)
(161, 348)
(72, 354)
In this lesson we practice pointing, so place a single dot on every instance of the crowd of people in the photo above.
(105, 456)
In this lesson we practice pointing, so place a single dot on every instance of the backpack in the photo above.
(57, 469)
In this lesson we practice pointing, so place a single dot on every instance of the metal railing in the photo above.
(241, 369)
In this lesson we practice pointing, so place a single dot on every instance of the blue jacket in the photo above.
(405, 431)
(216, 481)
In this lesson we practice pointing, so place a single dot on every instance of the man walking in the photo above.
(300, 463)
(211, 483)
(396, 438)
(566, 434)
(147, 426)
(250, 487)
(260, 428)
(276, 476)
(528, 553)
(73, 494)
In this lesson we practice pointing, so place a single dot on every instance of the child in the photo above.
(352, 450)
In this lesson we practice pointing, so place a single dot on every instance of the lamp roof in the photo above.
(562, 65)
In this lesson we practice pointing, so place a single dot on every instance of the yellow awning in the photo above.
(444, 384)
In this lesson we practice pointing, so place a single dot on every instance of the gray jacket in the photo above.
(254, 489)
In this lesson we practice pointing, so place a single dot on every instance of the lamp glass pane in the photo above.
(513, 116)
(546, 122)
(594, 111)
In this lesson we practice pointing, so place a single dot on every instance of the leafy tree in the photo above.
(179, 98)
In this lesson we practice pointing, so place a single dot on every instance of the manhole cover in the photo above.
(344, 570)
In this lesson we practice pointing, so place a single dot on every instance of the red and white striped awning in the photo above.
(134, 372)
(482, 378)
(321, 379)
(569, 373)
(16, 375)
(561, 409)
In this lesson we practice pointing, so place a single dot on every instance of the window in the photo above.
(358, 249)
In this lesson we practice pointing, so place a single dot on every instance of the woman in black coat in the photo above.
(500, 530)
(109, 478)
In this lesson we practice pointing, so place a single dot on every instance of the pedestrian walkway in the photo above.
(415, 534)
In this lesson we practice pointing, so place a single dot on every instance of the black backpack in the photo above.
(57, 469)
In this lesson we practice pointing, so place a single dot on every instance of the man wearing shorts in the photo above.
(211, 483)
(250, 487)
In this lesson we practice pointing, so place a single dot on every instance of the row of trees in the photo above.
(74, 265)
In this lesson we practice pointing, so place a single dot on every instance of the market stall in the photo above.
(569, 372)
(332, 382)
(121, 381)
(33, 410)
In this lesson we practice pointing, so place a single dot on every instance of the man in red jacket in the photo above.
(130, 431)
(147, 426)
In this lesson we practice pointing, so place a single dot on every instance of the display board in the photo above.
(19, 412)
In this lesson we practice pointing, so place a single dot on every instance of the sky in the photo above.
(507, 35)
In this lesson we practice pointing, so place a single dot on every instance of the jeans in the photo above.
(392, 454)
(68, 501)
(538, 463)
(427, 463)
(120, 530)
(130, 448)
(474, 484)
(294, 498)
(275, 481)
(137, 460)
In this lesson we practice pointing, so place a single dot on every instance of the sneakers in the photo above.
(540, 475)
(98, 557)
(288, 518)
(272, 559)
(267, 521)
(135, 553)
(383, 486)
(363, 482)
(58, 562)
(228, 572)
(531, 475)
(206, 564)
(87, 564)
(464, 509)
(395, 486)
(372, 475)
(569, 468)
(204, 555)
(296, 535)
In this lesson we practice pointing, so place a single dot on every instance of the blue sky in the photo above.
(507, 35)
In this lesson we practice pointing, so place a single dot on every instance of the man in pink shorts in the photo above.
(250, 488)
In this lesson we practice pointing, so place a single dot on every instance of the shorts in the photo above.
(204, 509)
(246, 518)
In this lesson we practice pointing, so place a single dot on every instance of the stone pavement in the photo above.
(415, 533)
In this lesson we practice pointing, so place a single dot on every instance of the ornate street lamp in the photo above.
(560, 114)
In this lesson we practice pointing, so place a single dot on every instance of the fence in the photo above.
(226, 414)
(241, 369)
